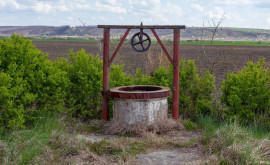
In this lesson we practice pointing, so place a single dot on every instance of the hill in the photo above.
(224, 33)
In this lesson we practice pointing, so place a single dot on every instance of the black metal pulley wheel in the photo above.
(140, 42)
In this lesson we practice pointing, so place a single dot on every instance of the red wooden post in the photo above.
(106, 54)
(176, 60)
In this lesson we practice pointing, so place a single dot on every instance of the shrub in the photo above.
(29, 83)
(141, 79)
(189, 125)
(85, 76)
(118, 77)
(195, 92)
(163, 77)
(247, 93)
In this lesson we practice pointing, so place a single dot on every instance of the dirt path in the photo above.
(184, 149)
(172, 157)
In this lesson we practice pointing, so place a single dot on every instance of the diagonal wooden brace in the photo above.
(162, 46)
(118, 47)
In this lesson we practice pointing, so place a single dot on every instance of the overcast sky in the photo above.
(239, 13)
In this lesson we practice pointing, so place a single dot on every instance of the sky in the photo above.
(238, 13)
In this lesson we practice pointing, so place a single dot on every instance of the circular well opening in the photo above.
(140, 88)
(139, 92)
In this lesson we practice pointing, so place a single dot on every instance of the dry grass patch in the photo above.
(161, 127)
(234, 144)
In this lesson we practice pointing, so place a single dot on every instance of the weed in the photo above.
(154, 61)
(104, 147)
(189, 125)
(23, 146)
(234, 143)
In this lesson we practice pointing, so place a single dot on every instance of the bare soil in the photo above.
(218, 59)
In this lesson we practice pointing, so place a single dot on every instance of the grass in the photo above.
(65, 40)
(189, 125)
(23, 146)
(206, 42)
(234, 143)
(49, 141)
(228, 43)
(248, 30)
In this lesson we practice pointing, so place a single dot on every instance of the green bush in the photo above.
(85, 76)
(141, 79)
(195, 92)
(118, 78)
(247, 93)
(189, 125)
(29, 83)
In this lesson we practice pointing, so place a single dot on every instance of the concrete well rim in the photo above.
(159, 92)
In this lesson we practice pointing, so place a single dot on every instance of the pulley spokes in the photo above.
(140, 41)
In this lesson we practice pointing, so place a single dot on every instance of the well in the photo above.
(108, 60)
(139, 105)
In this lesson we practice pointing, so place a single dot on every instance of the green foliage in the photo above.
(118, 77)
(247, 93)
(163, 77)
(29, 83)
(190, 126)
(195, 92)
(25, 145)
(85, 76)
(141, 79)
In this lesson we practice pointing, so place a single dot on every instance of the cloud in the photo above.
(45, 7)
(111, 2)
(268, 21)
(215, 14)
(233, 2)
(12, 4)
(239, 13)
(197, 7)
(172, 9)
(109, 8)
(263, 5)
(42, 7)
(63, 7)
(70, 18)
(144, 4)
(153, 11)
(121, 18)
(102, 7)
(98, 18)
